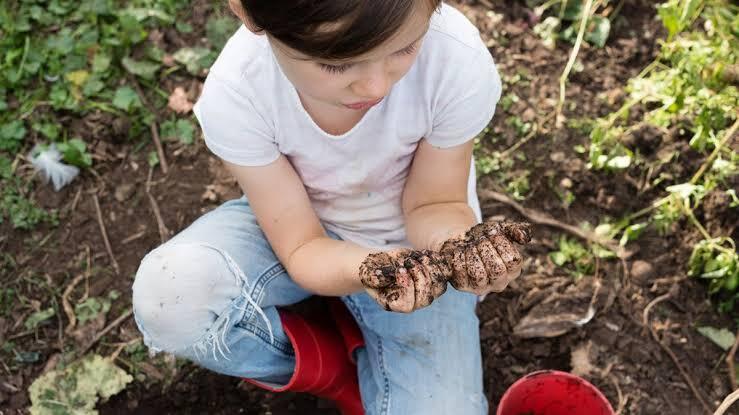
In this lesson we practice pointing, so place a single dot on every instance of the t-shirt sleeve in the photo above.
(232, 127)
(466, 102)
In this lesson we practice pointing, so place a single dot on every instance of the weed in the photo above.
(683, 89)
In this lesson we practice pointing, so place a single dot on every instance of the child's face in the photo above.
(359, 83)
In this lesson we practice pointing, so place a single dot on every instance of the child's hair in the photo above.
(332, 29)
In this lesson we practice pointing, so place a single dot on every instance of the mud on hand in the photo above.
(404, 280)
(485, 259)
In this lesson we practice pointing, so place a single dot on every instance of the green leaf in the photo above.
(49, 130)
(632, 232)
(194, 59)
(619, 162)
(77, 78)
(559, 258)
(573, 10)
(11, 135)
(144, 69)
(141, 14)
(101, 62)
(77, 388)
(6, 167)
(39, 316)
(723, 338)
(75, 152)
(152, 158)
(90, 308)
(219, 29)
(183, 27)
(598, 35)
(683, 190)
(126, 99)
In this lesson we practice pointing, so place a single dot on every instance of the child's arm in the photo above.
(326, 266)
(316, 262)
(482, 258)
(435, 195)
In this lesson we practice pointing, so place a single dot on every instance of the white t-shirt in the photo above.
(250, 114)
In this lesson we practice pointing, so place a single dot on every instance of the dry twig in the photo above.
(540, 218)
(688, 379)
(154, 126)
(733, 397)
(730, 362)
(163, 231)
(621, 399)
(158, 144)
(105, 234)
(122, 346)
(68, 310)
(571, 61)
(105, 331)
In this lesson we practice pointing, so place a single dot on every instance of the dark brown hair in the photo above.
(331, 29)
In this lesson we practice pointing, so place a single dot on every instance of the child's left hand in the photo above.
(485, 259)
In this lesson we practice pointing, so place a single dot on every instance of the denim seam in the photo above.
(258, 288)
(353, 306)
(257, 293)
(264, 336)
(385, 407)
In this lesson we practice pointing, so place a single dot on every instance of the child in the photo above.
(348, 124)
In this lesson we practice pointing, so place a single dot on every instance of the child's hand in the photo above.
(403, 280)
(485, 259)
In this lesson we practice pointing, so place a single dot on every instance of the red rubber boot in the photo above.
(322, 367)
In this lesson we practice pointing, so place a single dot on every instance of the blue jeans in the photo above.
(210, 295)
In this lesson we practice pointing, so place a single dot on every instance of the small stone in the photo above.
(123, 192)
(528, 115)
(557, 156)
(642, 272)
(566, 183)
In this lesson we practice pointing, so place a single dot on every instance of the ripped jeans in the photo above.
(210, 295)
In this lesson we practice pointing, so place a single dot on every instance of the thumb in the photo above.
(519, 232)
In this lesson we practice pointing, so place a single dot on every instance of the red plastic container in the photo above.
(550, 392)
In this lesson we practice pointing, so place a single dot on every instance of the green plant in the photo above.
(575, 254)
(20, 210)
(80, 57)
(563, 25)
(684, 89)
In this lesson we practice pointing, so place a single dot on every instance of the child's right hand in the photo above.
(404, 280)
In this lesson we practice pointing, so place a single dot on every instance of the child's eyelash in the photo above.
(337, 69)
(408, 50)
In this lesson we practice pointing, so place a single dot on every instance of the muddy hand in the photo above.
(403, 280)
(485, 259)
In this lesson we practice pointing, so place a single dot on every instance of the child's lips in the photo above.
(363, 105)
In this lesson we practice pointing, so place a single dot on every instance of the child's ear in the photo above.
(239, 11)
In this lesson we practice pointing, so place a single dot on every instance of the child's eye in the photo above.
(408, 50)
(335, 69)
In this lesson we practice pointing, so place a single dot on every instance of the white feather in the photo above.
(48, 162)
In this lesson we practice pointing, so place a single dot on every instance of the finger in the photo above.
(455, 257)
(494, 265)
(421, 279)
(378, 270)
(443, 267)
(439, 271)
(508, 253)
(519, 232)
(399, 297)
(477, 275)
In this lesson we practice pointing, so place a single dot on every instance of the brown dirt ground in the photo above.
(614, 350)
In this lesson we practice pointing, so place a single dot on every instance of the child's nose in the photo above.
(374, 84)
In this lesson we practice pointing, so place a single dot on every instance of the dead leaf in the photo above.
(550, 325)
(178, 101)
